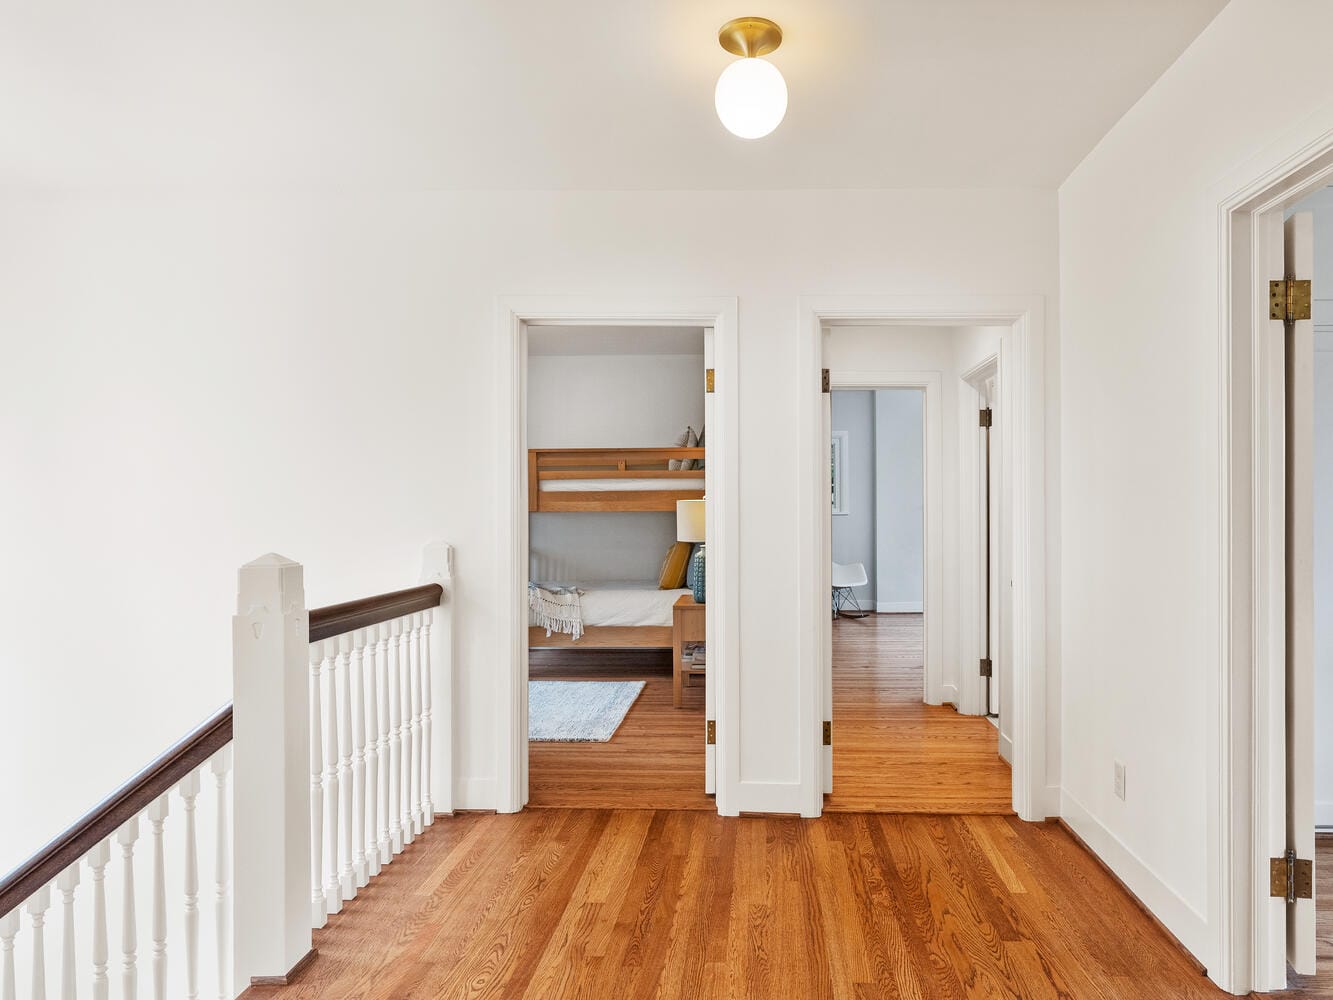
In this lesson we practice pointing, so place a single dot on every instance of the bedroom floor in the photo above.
(891, 751)
(654, 761)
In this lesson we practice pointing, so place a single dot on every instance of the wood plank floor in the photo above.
(654, 761)
(624, 904)
(891, 751)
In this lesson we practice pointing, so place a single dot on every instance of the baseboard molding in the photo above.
(1006, 749)
(949, 695)
(768, 797)
(900, 607)
(474, 794)
(1172, 913)
(291, 975)
(1323, 814)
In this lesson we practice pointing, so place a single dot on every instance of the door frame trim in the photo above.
(1023, 405)
(722, 483)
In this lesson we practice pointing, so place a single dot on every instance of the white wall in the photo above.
(1140, 441)
(900, 499)
(854, 532)
(608, 401)
(197, 380)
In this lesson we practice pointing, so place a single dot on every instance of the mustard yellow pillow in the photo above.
(674, 567)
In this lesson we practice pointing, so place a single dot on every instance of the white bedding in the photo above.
(618, 485)
(627, 604)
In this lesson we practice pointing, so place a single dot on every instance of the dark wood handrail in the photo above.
(124, 804)
(337, 619)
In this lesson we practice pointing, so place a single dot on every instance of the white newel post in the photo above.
(437, 566)
(271, 796)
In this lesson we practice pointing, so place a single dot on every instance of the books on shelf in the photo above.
(696, 655)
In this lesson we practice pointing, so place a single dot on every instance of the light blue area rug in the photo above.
(578, 711)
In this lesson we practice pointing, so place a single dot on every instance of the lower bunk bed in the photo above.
(617, 616)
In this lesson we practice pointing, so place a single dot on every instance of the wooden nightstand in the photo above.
(687, 629)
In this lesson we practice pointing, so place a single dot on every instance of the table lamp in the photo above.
(690, 524)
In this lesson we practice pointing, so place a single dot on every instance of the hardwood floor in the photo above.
(892, 752)
(654, 761)
(623, 904)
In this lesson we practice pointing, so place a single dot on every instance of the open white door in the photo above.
(710, 627)
(1300, 906)
(826, 568)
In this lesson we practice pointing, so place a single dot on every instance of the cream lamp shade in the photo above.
(690, 523)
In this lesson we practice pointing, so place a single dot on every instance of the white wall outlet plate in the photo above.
(1119, 780)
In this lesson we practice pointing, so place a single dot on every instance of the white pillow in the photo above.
(682, 442)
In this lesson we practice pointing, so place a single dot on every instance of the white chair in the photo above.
(846, 577)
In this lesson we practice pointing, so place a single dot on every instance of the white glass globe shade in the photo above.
(751, 98)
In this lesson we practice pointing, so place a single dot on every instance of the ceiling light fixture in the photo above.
(751, 96)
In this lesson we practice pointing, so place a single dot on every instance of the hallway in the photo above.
(892, 752)
(582, 903)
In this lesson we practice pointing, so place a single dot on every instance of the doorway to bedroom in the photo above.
(617, 434)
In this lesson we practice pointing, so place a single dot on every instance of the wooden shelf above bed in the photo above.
(604, 637)
(604, 466)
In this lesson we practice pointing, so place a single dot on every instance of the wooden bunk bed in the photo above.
(611, 479)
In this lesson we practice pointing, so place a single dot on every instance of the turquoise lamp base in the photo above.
(699, 577)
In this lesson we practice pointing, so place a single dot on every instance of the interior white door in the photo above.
(1298, 254)
(710, 627)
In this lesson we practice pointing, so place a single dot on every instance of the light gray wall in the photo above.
(900, 496)
(607, 401)
(854, 532)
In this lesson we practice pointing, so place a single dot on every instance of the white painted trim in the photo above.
(513, 315)
(1246, 773)
(1023, 416)
(1007, 751)
(1187, 923)
(900, 607)
(972, 528)
(474, 793)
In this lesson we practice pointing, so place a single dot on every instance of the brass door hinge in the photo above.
(708, 380)
(1290, 878)
(824, 381)
(987, 668)
(828, 733)
(985, 417)
(1289, 299)
(711, 733)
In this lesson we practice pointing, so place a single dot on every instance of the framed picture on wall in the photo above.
(838, 473)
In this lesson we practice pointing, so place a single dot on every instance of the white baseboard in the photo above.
(1323, 814)
(899, 607)
(475, 793)
(767, 797)
(1179, 917)
(1006, 749)
(949, 694)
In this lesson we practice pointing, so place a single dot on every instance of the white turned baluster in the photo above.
(395, 741)
(129, 932)
(189, 789)
(319, 915)
(98, 858)
(414, 699)
(342, 673)
(382, 740)
(37, 906)
(9, 928)
(221, 765)
(427, 804)
(333, 894)
(372, 728)
(67, 881)
(357, 710)
(403, 631)
(157, 815)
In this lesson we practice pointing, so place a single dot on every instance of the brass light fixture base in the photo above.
(749, 36)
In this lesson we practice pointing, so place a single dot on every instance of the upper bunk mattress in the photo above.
(627, 604)
(618, 485)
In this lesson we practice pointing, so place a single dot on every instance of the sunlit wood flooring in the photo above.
(654, 761)
(891, 751)
(685, 904)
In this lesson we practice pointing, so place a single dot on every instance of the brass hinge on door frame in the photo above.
(824, 385)
(708, 380)
(987, 668)
(1290, 878)
(1289, 299)
(711, 732)
(828, 733)
(985, 415)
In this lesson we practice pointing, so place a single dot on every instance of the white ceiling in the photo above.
(586, 340)
(586, 94)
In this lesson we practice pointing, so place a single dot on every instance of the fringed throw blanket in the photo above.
(556, 610)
